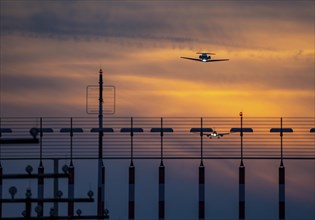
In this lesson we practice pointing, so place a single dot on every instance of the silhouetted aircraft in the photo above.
(204, 58)
(215, 134)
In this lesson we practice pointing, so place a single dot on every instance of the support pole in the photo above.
(41, 175)
(201, 191)
(131, 205)
(161, 180)
(201, 210)
(103, 188)
(242, 192)
(161, 191)
(1, 174)
(71, 190)
(131, 208)
(28, 204)
(56, 185)
(71, 178)
(40, 188)
(281, 181)
(1, 186)
(281, 193)
(101, 167)
(281, 130)
(241, 178)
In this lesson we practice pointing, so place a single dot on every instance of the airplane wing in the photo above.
(218, 60)
(223, 134)
(195, 59)
(206, 53)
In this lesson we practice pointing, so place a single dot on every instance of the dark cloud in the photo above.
(86, 22)
(225, 23)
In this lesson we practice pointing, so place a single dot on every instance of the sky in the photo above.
(51, 51)
(57, 48)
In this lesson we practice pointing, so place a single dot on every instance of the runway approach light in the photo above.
(29, 169)
(281, 130)
(241, 130)
(12, 191)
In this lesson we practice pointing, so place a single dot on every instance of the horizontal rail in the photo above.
(179, 144)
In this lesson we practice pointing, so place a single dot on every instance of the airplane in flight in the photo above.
(204, 57)
(215, 134)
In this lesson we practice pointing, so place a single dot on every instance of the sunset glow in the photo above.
(51, 51)
(270, 72)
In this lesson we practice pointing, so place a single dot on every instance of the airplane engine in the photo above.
(200, 57)
(209, 57)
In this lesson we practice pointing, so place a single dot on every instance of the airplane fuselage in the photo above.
(204, 57)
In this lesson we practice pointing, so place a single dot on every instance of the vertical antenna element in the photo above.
(161, 140)
(161, 207)
(131, 139)
(101, 168)
(201, 140)
(281, 143)
(201, 205)
(71, 142)
(241, 133)
(281, 180)
(241, 192)
(40, 139)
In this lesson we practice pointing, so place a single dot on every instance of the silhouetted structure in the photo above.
(281, 130)
(161, 208)
(191, 146)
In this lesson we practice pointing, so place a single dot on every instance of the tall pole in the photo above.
(1, 186)
(241, 178)
(161, 180)
(56, 185)
(101, 168)
(40, 192)
(28, 204)
(131, 205)
(201, 178)
(1, 169)
(281, 143)
(281, 181)
(71, 178)
(71, 190)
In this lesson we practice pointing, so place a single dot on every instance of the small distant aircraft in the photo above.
(204, 58)
(215, 134)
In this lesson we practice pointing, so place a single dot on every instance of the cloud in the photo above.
(185, 24)
(57, 48)
(252, 80)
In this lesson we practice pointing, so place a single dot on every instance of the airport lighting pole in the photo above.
(101, 168)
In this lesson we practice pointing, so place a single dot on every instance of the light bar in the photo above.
(5, 130)
(241, 130)
(108, 130)
(281, 130)
(34, 131)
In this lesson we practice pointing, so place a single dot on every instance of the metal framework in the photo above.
(180, 144)
(136, 138)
